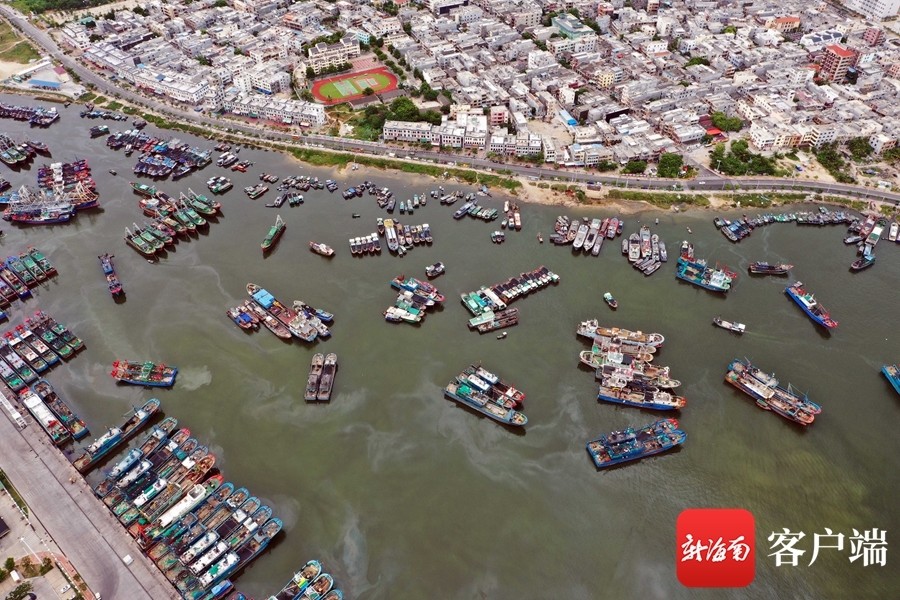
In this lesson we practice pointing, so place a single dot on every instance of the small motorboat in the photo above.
(503, 335)
(608, 298)
(735, 326)
(112, 172)
(434, 270)
(540, 238)
(355, 215)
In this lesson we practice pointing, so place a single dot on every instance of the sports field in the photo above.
(350, 86)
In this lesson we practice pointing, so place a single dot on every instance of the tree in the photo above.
(730, 29)
(139, 11)
(634, 167)
(698, 60)
(220, 3)
(10, 564)
(95, 37)
(403, 109)
(310, 72)
(306, 95)
(417, 74)
(204, 61)
(407, 28)
(367, 91)
(21, 591)
(378, 42)
(670, 165)
(725, 123)
(859, 147)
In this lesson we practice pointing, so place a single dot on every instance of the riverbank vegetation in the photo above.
(662, 200)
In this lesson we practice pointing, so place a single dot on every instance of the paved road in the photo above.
(78, 522)
(710, 181)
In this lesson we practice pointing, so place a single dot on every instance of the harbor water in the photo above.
(404, 494)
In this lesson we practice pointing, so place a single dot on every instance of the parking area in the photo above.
(27, 540)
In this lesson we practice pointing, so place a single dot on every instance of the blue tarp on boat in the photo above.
(264, 298)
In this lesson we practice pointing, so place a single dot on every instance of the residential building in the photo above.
(875, 10)
(408, 131)
(836, 61)
(443, 7)
(570, 26)
(874, 36)
(323, 55)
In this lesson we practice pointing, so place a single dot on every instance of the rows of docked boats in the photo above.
(401, 238)
(769, 395)
(90, 112)
(21, 272)
(35, 115)
(414, 298)
(866, 236)
(159, 158)
(196, 528)
(320, 382)
(304, 183)
(738, 229)
(496, 297)
(644, 250)
(585, 235)
(367, 244)
(622, 362)
(171, 218)
(311, 582)
(47, 206)
(696, 271)
(483, 391)
(13, 153)
(66, 175)
(300, 320)
(472, 209)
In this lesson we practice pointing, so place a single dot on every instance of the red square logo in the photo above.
(715, 547)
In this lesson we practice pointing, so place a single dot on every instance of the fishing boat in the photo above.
(635, 392)
(140, 244)
(318, 588)
(42, 261)
(315, 374)
(299, 582)
(48, 421)
(432, 271)
(592, 329)
(465, 394)
(274, 234)
(242, 318)
(143, 373)
(863, 262)
(634, 248)
(15, 361)
(892, 372)
(59, 330)
(284, 314)
(807, 302)
(764, 389)
(143, 189)
(729, 325)
(271, 323)
(37, 344)
(608, 298)
(326, 382)
(321, 249)
(631, 444)
(112, 280)
(116, 435)
(580, 237)
(697, 272)
(71, 421)
(764, 268)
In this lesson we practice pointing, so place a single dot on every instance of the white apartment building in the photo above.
(322, 55)
(275, 109)
(268, 78)
(875, 10)
(408, 131)
(190, 90)
(76, 35)
(557, 46)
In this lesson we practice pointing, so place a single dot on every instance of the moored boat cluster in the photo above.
(483, 391)
(696, 271)
(645, 251)
(300, 320)
(586, 235)
(159, 158)
(19, 273)
(171, 218)
(70, 176)
(26, 206)
(196, 528)
(311, 582)
(320, 382)
(488, 304)
(414, 299)
(32, 348)
(769, 395)
(401, 238)
(36, 115)
(740, 228)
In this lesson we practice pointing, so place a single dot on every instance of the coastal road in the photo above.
(80, 525)
(709, 181)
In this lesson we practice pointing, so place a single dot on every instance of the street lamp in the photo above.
(36, 559)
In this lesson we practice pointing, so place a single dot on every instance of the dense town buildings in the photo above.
(576, 83)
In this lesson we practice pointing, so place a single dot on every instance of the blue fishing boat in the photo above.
(806, 301)
(892, 372)
(619, 447)
(116, 435)
(469, 396)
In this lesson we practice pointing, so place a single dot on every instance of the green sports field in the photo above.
(352, 85)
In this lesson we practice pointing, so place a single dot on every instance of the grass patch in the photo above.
(661, 200)
(857, 205)
(767, 200)
(13, 492)
(339, 159)
(129, 110)
(166, 124)
(22, 53)
(87, 97)
(887, 210)
(99, 100)
(113, 105)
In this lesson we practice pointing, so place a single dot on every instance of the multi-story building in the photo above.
(408, 131)
(323, 55)
(882, 141)
(874, 36)
(875, 10)
(499, 115)
(836, 62)
(443, 7)
(785, 24)
(570, 27)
